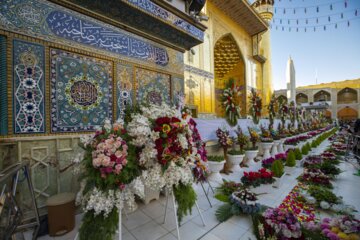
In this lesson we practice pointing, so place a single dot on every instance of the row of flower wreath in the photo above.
(156, 147)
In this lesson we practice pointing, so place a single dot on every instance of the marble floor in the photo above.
(147, 222)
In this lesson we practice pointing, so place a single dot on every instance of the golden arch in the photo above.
(321, 96)
(347, 113)
(347, 95)
(301, 98)
(282, 98)
(229, 63)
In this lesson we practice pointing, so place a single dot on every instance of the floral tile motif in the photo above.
(28, 85)
(81, 91)
(152, 87)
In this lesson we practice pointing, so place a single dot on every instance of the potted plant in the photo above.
(283, 134)
(252, 150)
(290, 143)
(259, 181)
(236, 157)
(298, 157)
(255, 105)
(276, 138)
(290, 162)
(278, 171)
(225, 142)
(216, 163)
(266, 142)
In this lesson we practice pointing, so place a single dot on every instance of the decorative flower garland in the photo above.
(283, 111)
(255, 105)
(230, 101)
(272, 109)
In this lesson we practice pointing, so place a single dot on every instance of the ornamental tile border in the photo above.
(198, 71)
(3, 88)
(169, 17)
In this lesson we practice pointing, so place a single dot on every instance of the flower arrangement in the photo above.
(317, 177)
(167, 152)
(265, 135)
(255, 105)
(292, 112)
(283, 111)
(283, 132)
(255, 179)
(274, 134)
(111, 180)
(254, 137)
(242, 139)
(342, 227)
(230, 101)
(225, 142)
(272, 109)
(282, 223)
(266, 163)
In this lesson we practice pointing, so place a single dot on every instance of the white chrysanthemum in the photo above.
(148, 155)
(137, 187)
(139, 128)
(153, 178)
(86, 139)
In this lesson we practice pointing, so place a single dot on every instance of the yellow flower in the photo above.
(166, 128)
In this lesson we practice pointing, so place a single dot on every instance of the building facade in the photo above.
(236, 45)
(342, 98)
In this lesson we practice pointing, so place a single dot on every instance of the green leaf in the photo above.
(222, 197)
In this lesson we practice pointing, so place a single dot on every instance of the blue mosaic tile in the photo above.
(28, 85)
(81, 91)
(3, 88)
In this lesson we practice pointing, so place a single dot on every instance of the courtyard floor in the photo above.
(146, 223)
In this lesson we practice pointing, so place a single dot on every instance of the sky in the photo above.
(333, 54)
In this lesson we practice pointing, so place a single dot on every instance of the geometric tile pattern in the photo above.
(124, 87)
(81, 91)
(3, 89)
(152, 87)
(29, 87)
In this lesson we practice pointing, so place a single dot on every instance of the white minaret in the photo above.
(290, 81)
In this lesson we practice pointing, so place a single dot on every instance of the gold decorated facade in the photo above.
(236, 45)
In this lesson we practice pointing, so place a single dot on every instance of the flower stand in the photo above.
(215, 168)
(275, 147)
(250, 155)
(235, 161)
(175, 213)
(278, 181)
(266, 146)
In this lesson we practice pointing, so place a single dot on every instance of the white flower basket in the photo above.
(150, 195)
(278, 181)
(235, 161)
(215, 168)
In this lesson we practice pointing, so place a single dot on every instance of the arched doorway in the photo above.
(229, 63)
(282, 98)
(347, 113)
(346, 96)
(322, 96)
(301, 98)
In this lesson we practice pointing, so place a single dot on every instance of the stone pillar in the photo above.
(334, 105)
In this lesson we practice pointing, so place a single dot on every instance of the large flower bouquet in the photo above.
(230, 100)
(242, 139)
(283, 111)
(167, 152)
(254, 137)
(111, 180)
(255, 179)
(255, 105)
(265, 135)
(281, 223)
(225, 142)
(272, 109)
(292, 112)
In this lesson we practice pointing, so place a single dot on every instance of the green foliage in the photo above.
(222, 197)
(277, 168)
(313, 234)
(290, 159)
(308, 146)
(224, 212)
(214, 158)
(313, 144)
(323, 194)
(329, 168)
(99, 227)
(185, 197)
(298, 155)
(227, 188)
(236, 152)
(305, 150)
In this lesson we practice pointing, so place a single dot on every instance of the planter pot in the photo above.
(215, 168)
(250, 155)
(235, 161)
(287, 147)
(281, 146)
(266, 146)
(150, 194)
(263, 188)
(289, 170)
(278, 181)
(260, 149)
(274, 149)
(300, 163)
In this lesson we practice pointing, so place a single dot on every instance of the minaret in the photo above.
(290, 81)
(265, 9)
